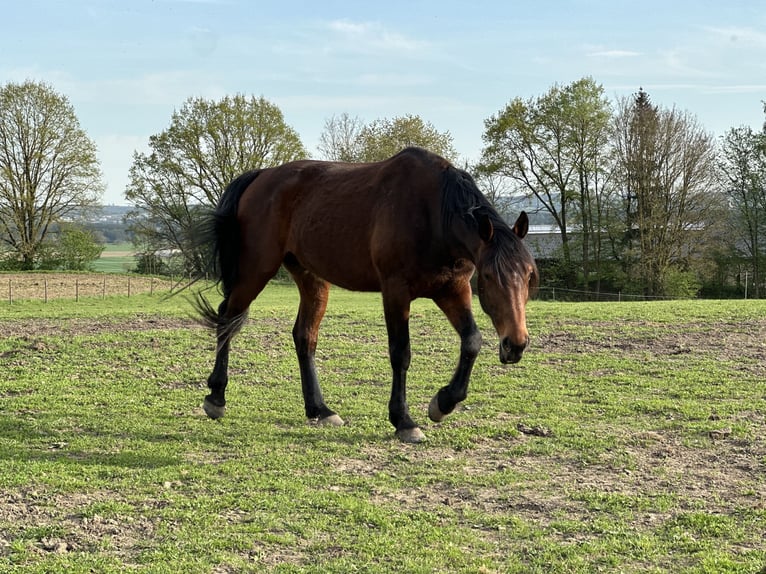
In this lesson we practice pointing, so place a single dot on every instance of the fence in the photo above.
(560, 294)
(45, 287)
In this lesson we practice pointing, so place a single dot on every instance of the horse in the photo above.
(412, 226)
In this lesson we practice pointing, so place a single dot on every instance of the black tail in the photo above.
(224, 229)
(222, 234)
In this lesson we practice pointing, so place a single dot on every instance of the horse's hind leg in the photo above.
(231, 315)
(314, 294)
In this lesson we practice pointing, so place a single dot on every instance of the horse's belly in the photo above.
(344, 263)
(343, 272)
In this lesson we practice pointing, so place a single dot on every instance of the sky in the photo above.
(127, 65)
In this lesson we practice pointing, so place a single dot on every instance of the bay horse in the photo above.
(408, 227)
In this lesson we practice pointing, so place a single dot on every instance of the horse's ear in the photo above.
(521, 227)
(486, 231)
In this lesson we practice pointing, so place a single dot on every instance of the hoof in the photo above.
(213, 411)
(434, 413)
(331, 421)
(411, 436)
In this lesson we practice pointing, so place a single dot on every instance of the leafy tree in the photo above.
(589, 115)
(348, 139)
(73, 249)
(190, 164)
(48, 166)
(383, 138)
(553, 147)
(742, 168)
(665, 169)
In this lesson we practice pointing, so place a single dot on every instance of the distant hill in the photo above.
(107, 221)
(109, 213)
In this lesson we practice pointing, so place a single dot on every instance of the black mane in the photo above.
(462, 198)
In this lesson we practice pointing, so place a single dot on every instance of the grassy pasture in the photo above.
(652, 456)
(116, 258)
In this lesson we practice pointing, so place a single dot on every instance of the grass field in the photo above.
(116, 258)
(631, 438)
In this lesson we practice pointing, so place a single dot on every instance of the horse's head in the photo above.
(507, 277)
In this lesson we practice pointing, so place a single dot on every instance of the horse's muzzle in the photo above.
(510, 352)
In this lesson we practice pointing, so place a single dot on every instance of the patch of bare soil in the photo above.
(39, 327)
(724, 478)
(77, 527)
(741, 341)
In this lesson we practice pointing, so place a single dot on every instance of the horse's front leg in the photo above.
(397, 311)
(456, 305)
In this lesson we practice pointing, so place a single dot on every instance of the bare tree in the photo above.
(497, 188)
(48, 166)
(665, 168)
(339, 141)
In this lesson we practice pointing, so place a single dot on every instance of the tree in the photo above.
(552, 147)
(190, 164)
(588, 114)
(381, 139)
(339, 141)
(742, 168)
(72, 249)
(348, 139)
(48, 166)
(495, 187)
(665, 169)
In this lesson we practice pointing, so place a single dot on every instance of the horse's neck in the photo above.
(465, 243)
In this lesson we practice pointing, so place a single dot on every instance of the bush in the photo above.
(75, 249)
(679, 284)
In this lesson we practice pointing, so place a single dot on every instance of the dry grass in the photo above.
(48, 286)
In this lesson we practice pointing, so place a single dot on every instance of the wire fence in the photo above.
(561, 294)
(46, 287)
(50, 286)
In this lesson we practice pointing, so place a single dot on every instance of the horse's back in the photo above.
(351, 224)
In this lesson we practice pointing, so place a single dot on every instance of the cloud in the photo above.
(741, 36)
(701, 88)
(614, 54)
(373, 36)
(736, 89)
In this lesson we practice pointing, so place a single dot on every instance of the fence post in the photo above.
(10, 291)
(128, 285)
(77, 290)
(103, 289)
(45, 288)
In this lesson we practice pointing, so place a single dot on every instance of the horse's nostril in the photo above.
(508, 345)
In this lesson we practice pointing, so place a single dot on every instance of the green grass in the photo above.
(107, 463)
(118, 263)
